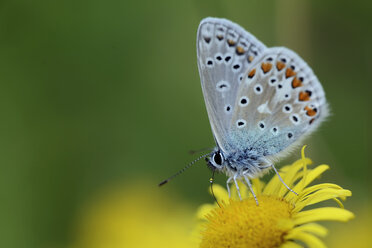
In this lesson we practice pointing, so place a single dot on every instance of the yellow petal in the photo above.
(311, 175)
(297, 166)
(220, 193)
(303, 151)
(312, 228)
(310, 240)
(310, 190)
(257, 186)
(316, 187)
(290, 244)
(315, 173)
(274, 185)
(321, 195)
(244, 192)
(289, 177)
(339, 202)
(319, 214)
(203, 210)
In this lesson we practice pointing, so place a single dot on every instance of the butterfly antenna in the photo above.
(182, 170)
(200, 150)
(211, 180)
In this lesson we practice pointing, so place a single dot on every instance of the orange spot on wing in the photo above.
(266, 67)
(280, 65)
(296, 83)
(219, 37)
(250, 58)
(310, 111)
(304, 96)
(239, 50)
(252, 73)
(289, 73)
(231, 42)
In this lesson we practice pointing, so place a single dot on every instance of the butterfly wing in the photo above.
(279, 102)
(225, 52)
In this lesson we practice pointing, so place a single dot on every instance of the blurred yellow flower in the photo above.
(138, 216)
(279, 220)
(357, 233)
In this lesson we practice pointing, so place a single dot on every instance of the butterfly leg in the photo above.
(250, 188)
(228, 185)
(280, 178)
(237, 186)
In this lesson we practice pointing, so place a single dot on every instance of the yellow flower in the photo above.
(356, 233)
(138, 215)
(280, 219)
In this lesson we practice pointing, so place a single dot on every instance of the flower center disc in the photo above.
(244, 224)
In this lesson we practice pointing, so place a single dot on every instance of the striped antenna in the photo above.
(182, 170)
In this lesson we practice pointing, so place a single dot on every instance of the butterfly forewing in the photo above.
(279, 101)
(225, 53)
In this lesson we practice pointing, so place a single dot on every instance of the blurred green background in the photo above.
(95, 93)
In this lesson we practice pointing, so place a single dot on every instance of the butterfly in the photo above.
(261, 101)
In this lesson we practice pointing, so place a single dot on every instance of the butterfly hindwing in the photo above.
(279, 102)
(225, 53)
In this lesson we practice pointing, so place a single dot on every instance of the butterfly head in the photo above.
(216, 161)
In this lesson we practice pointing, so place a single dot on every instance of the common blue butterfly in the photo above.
(261, 101)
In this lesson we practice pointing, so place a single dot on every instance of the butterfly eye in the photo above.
(216, 161)
(217, 158)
